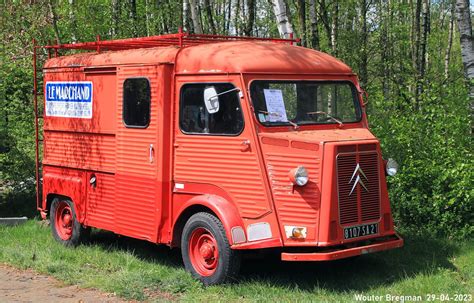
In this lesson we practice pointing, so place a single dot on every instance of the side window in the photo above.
(136, 102)
(195, 118)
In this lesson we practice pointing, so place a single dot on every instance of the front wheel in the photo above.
(206, 250)
(64, 225)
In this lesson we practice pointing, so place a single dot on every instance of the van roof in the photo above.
(221, 57)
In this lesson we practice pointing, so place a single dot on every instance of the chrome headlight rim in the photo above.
(391, 167)
(299, 176)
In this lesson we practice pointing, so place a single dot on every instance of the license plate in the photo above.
(361, 230)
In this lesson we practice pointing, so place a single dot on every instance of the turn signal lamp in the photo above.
(295, 232)
(298, 233)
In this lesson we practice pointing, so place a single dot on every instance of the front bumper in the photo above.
(340, 253)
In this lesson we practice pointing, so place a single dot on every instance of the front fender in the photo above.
(225, 211)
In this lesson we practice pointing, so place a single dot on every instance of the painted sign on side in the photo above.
(71, 99)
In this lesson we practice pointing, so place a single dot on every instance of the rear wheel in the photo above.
(206, 250)
(64, 225)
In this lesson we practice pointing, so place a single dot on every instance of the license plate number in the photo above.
(361, 231)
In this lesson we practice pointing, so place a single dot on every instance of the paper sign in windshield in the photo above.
(72, 99)
(275, 105)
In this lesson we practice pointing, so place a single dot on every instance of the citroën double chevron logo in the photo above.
(357, 173)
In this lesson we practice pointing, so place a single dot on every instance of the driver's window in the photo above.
(197, 118)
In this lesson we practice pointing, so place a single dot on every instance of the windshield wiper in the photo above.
(295, 126)
(328, 115)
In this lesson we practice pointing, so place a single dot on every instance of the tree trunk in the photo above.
(467, 48)
(133, 16)
(187, 22)
(313, 18)
(229, 17)
(72, 19)
(302, 20)
(284, 26)
(364, 51)
(335, 28)
(210, 19)
(416, 35)
(115, 17)
(385, 13)
(447, 57)
(195, 16)
(236, 16)
(424, 40)
(250, 17)
(323, 12)
(147, 19)
(54, 18)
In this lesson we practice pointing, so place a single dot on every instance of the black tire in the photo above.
(78, 233)
(228, 260)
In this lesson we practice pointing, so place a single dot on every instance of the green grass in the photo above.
(139, 270)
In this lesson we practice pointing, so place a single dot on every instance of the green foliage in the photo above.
(16, 115)
(433, 190)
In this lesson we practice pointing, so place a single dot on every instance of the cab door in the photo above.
(138, 190)
(215, 150)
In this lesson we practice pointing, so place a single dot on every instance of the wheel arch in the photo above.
(50, 198)
(223, 209)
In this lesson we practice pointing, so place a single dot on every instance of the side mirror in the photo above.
(211, 99)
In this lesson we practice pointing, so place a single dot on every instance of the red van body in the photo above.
(148, 181)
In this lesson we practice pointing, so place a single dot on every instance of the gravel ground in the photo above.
(29, 286)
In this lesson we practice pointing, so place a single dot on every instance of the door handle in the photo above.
(151, 153)
(245, 145)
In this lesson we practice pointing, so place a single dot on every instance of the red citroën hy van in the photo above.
(214, 144)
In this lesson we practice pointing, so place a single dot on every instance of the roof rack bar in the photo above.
(180, 39)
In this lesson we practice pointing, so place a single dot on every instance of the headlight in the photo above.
(299, 176)
(392, 167)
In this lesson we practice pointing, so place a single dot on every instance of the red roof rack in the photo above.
(180, 39)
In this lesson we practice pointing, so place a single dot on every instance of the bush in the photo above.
(434, 190)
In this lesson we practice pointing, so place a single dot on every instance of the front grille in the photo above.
(358, 204)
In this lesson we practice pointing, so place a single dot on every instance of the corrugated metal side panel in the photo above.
(78, 150)
(295, 207)
(100, 203)
(220, 161)
(136, 184)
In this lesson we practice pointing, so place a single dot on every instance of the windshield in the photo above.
(304, 102)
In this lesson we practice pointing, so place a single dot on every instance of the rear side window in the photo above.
(136, 102)
(196, 118)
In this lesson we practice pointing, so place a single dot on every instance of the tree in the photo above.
(284, 26)
(210, 19)
(250, 17)
(313, 18)
(467, 48)
(195, 16)
(301, 6)
(54, 18)
(447, 56)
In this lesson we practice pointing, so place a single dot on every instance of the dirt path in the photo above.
(29, 286)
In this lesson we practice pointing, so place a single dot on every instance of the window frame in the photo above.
(354, 90)
(123, 103)
(181, 100)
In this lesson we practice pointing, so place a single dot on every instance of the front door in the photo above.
(215, 151)
(137, 187)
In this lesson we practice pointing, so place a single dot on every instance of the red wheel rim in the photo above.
(63, 220)
(203, 251)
